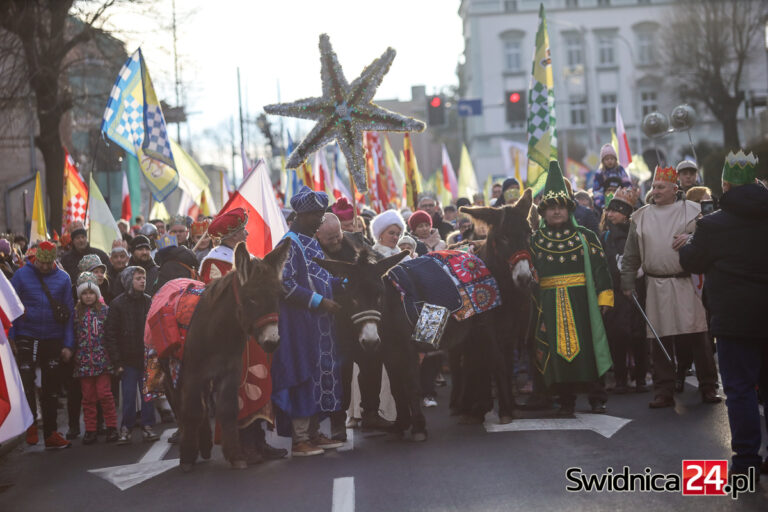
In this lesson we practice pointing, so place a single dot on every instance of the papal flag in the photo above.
(134, 120)
(102, 228)
(38, 232)
(542, 136)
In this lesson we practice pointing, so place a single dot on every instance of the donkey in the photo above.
(243, 303)
(485, 341)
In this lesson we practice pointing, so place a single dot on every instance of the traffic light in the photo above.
(517, 107)
(435, 110)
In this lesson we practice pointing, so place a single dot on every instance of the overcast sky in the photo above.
(277, 40)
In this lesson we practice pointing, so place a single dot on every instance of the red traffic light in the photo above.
(435, 102)
(514, 97)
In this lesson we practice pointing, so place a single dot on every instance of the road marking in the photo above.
(603, 424)
(343, 494)
(149, 466)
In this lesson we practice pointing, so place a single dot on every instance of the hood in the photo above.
(749, 201)
(126, 278)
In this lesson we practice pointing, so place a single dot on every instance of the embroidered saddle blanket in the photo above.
(456, 280)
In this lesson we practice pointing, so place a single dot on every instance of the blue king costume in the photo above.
(306, 376)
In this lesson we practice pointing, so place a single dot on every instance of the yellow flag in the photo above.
(159, 211)
(413, 182)
(38, 231)
(614, 141)
(467, 178)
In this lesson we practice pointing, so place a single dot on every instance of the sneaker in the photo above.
(270, 452)
(305, 449)
(89, 437)
(73, 433)
(125, 436)
(32, 437)
(326, 444)
(111, 435)
(710, 397)
(599, 408)
(148, 434)
(429, 402)
(353, 422)
(440, 380)
(174, 438)
(56, 442)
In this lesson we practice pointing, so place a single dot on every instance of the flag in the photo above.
(305, 175)
(102, 228)
(625, 155)
(134, 120)
(75, 199)
(15, 414)
(38, 231)
(125, 209)
(639, 168)
(449, 177)
(467, 178)
(515, 157)
(398, 177)
(542, 136)
(339, 188)
(132, 169)
(412, 174)
(159, 211)
(266, 225)
(207, 206)
(321, 176)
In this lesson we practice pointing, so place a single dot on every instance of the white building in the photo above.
(604, 52)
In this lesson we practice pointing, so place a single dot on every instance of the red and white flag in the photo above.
(266, 225)
(321, 173)
(449, 177)
(125, 212)
(339, 189)
(15, 414)
(75, 196)
(625, 155)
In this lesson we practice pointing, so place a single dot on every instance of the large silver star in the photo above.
(344, 112)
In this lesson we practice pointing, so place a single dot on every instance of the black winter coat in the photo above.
(124, 329)
(587, 218)
(623, 322)
(730, 246)
(71, 258)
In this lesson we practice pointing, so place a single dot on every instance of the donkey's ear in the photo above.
(276, 257)
(387, 263)
(242, 262)
(487, 214)
(337, 268)
(525, 202)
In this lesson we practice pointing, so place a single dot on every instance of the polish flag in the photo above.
(625, 155)
(125, 212)
(266, 225)
(15, 414)
(339, 189)
(449, 177)
(321, 173)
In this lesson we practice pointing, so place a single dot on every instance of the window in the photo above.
(646, 48)
(605, 53)
(578, 110)
(603, 3)
(573, 54)
(571, 3)
(510, 5)
(512, 55)
(608, 108)
(648, 102)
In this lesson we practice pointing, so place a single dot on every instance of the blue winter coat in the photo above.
(37, 321)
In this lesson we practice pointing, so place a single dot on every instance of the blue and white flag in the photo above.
(134, 120)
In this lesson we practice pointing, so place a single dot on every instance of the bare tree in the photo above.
(42, 36)
(707, 45)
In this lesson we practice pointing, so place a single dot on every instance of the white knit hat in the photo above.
(407, 240)
(88, 281)
(385, 219)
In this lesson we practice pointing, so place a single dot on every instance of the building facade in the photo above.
(604, 53)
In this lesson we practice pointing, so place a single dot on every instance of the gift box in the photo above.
(430, 327)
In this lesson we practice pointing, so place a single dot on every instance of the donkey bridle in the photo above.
(369, 315)
(269, 318)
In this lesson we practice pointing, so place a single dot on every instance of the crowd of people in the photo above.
(606, 258)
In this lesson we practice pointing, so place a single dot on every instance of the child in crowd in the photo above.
(421, 226)
(92, 365)
(609, 168)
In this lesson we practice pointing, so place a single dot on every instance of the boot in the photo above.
(374, 421)
(661, 402)
(89, 437)
(112, 435)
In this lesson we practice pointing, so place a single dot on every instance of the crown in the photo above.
(166, 241)
(626, 195)
(668, 174)
(739, 169)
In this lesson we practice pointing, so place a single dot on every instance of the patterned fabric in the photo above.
(477, 287)
(170, 315)
(91, 358)
(307, 200)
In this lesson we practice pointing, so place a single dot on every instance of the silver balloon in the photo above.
(655, 125)
(683, 118)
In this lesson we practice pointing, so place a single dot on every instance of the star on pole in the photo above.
(344, 112)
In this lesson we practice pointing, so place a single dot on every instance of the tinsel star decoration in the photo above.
(344, 112)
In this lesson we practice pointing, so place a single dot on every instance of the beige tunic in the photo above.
(672, 304)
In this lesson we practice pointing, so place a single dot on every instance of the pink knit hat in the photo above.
(342, 209)
(607, 150)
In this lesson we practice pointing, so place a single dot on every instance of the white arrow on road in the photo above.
(150, 465)
(603, 424)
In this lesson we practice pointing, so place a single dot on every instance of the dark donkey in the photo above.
(484, 341)
(243, 303)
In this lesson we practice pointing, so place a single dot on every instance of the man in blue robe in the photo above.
(306, 378)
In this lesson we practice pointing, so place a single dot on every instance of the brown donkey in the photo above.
(243, 303)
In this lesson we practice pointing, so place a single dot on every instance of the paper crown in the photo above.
(739, 169)
(626, 195)
(166, 241)
(199, 227)
(668, 174)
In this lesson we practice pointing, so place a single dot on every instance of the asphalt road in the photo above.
(460, 468)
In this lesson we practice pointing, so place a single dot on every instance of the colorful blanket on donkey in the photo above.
(456, 280)
(166, 330)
